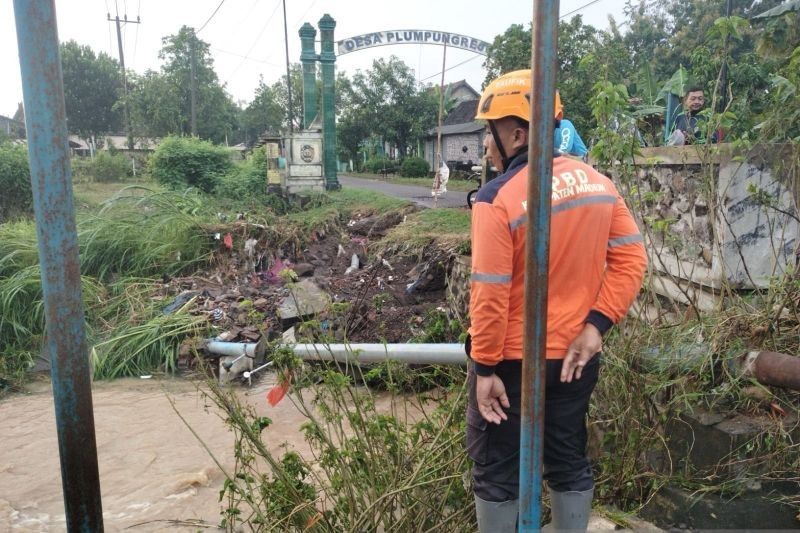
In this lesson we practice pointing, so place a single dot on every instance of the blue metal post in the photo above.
(45, 120)
(540, 171)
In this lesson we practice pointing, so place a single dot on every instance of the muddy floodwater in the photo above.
(154, 474)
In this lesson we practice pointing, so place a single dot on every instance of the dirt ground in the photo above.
(388, 297)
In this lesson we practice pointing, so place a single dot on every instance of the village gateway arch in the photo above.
(327, 60)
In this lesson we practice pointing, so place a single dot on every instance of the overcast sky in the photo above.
(246, 36)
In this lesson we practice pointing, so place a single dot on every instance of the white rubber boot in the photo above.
(570, 510)
(496, 517)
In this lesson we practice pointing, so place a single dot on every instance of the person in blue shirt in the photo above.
(567, 141)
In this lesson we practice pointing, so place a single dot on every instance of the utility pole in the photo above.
(288, 70)
(193, 83)
(126, 113)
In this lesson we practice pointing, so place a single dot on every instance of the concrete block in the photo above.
(675, 507)
(306, 300)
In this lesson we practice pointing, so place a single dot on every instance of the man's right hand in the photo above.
(490, 394)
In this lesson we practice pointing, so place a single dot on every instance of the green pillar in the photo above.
(327, 58)
(308, 57)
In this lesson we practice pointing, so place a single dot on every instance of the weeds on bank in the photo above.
(656, 371)
(127, 245)
(375, 461)
(383, 445)
(448, 228)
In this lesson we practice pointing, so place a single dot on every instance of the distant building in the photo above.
(462, 137)
(12, 128)
(461, 91)
(79, 146)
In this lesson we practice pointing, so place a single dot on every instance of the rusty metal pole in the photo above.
(45, 120)
(540, 169)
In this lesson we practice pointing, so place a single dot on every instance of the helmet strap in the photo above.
(503, 156)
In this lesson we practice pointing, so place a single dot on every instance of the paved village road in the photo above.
(419, 195)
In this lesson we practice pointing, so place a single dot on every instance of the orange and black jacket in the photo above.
(597, 260)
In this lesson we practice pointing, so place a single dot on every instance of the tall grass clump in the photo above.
(18, 247)
(150, 346)
(104, 168)
(181, 162)
(377, 461)
(149, 235)
(22, 303)
(22, 321)
(247, 179)
(16, 199)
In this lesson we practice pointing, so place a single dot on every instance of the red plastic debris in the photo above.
(278, 392)
(227, 240)
(777, 409)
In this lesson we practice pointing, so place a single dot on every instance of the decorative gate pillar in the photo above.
(327, 58)
(308, 57)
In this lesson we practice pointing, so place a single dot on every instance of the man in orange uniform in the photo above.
(597, 262)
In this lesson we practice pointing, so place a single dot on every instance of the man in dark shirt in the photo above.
(690, 126)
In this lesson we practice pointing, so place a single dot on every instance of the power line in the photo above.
(209, 18)
(136, 39)
(247, 55)
(296, 22)
(473, 58)
(110, 45)
(584, 6)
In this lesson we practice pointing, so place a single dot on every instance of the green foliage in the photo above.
(22, 304)
(247, 178)
(22, 323)
(138, 349)
(448, 228)
(92, 86)
(15, 182)
(265, 113)
(381, 165)
(181, 162)
(414, 167)
(105, 167)
(160, 102)
(780, 120)
(371, 467)
(385, 102)
(609, 104)
(154, 235)
(678, 84)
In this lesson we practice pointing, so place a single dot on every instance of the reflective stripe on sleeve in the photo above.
(587, 200)
(517, 222)
(491, 278)
(627, 239)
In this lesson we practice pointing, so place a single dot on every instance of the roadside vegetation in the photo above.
(386, 442)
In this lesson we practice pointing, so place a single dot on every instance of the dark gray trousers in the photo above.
(494, 449)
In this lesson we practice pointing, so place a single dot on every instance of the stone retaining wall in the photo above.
(711, 218)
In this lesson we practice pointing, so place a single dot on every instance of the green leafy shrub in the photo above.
(105, 167)
(379, 165)
(246, 179)
(414, 167)
(181, 162)
(15, 182)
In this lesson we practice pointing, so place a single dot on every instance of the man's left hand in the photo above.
(582, 349)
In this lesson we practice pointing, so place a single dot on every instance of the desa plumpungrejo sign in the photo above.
(383, 38)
